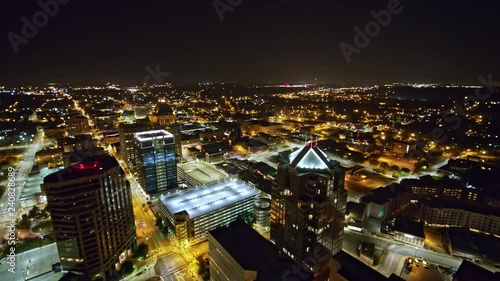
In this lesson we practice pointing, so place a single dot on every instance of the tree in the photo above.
(374, 162)
(127, 267)
(141, 251)
(25, 222)
(394, 168)
(405, 171)
(34, 212)
(159, 222)
(44, 213)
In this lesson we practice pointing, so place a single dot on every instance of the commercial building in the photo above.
(200, 173)
(384, 201)
(408, 231)
(91, 208)
(239, 253)
(77, 125)
(308, 206)
(470, 271)
(126, 133)
(345, 267)
(194, 212)
(156, 163)
(455, 214)
(163, 115)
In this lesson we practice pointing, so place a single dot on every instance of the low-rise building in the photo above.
(200, 173)
(455, 214)
(194, 212)
(408, 231)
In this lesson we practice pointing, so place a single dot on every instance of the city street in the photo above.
(395, 252)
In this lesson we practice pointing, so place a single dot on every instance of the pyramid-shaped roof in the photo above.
(310, 157)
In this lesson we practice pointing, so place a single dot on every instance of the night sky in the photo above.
(94, 42)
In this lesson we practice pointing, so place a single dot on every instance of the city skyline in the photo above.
(237, 140)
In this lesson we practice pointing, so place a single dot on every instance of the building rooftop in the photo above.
(201, 200)
(153, 135)
(202, 172)
(469, 271)
(353, 269)
(256, 253)
(310, 157)
(90, 166)
(162, 109)
(409, 227)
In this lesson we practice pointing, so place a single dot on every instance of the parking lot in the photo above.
(417, 269)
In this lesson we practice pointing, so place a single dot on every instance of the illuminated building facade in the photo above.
(308, 207)
(126, 133)
(164, 115)
(156, 163)
(91, 208)
(192, 213)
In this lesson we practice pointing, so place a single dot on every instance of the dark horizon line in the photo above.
(187, 84)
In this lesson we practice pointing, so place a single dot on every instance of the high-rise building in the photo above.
(155, 160)
(164, 115)
(91, 208)
(308, 207)
(126, 133)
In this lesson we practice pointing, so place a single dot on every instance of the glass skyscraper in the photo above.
(156, 161)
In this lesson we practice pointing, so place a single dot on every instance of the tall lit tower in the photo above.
(156, 163)
(308, 207)
(164, 115)
(91, 208)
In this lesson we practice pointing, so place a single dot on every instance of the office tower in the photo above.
(126, 133)
(91, 208)
(164, 115)
(308, 207)
(155, 159)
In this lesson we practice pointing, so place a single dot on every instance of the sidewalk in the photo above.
(143, 272)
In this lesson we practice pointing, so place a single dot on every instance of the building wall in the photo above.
(93, 222)
(488, 223)
(197, 228)
(222, 265)
(156, 164)
(307, 203)
(219, 217)
(410, 239)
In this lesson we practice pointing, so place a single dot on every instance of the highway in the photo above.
(23, 169)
